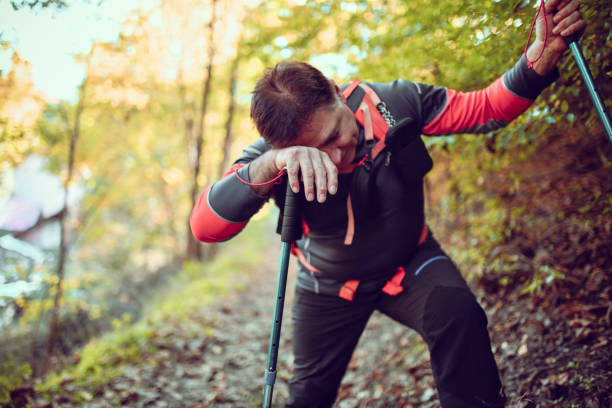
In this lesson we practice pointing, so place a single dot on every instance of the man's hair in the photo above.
(285, 98)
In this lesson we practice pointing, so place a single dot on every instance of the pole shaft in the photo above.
(279, 304)
(600, 107)
(290, 231)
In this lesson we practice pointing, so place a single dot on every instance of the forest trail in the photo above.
(217, 359)
(552, 345)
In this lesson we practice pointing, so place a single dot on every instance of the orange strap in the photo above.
(423, 235)
(350, 226)
(394, 286)
(347, 291)
(369, 117)
(349, 89)
(295, 251)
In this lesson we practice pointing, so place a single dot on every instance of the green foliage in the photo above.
(12, 375)
(188, 294)
(199, 283)
(101, 360)
(544, 275)
(35, 4)
(132, 162)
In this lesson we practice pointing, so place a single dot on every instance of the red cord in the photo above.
(278, 176)
(541, 8)
(363, 159)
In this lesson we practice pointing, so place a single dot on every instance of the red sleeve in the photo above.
(477, 111)
(208, 226)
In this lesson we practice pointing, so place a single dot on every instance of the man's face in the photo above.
(333, 130)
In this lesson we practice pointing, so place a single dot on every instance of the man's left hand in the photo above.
(562, 18)
(566, 20)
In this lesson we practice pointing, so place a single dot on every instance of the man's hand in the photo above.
(562, 18)
(318, 171)
(567, 20)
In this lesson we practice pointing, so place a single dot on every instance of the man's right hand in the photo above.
(319, 173)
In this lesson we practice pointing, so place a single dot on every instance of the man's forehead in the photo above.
(324, 118)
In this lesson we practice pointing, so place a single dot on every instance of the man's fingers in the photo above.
(293, 168)
(565, 9)
(332, 174)
(307, 174)
(551, 5)
(567, 22)
(577, 27)
(320, 175)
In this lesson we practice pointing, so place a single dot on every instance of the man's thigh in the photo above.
(428, 270)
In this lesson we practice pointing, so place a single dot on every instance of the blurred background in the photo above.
(115, 114)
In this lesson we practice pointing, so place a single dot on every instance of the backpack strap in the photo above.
(364, 103)
(347, 291)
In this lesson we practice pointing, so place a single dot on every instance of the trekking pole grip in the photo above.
(292, 217)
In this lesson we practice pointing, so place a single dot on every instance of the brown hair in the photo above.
(285, 98)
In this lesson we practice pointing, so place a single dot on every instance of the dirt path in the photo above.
(217, 359)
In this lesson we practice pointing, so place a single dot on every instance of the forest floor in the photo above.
(553, 343)
(543, 362)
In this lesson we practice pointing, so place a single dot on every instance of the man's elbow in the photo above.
(203, 235)
(206, 234)
(207, 226)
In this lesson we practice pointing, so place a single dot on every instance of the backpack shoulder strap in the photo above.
(364, 102)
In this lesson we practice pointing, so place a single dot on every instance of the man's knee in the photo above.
(455, 328)
(452, 309)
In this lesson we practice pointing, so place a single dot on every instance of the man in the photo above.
(365, 244)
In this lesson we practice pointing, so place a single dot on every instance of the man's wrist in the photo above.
(263, 169)
(547, 61)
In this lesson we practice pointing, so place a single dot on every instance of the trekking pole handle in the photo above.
(292, 217)
(571, 38)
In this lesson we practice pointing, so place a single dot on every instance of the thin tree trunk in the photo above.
(74, 133)
(229, 136)
(194, 249)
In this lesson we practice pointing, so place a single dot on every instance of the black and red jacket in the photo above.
(387, 236)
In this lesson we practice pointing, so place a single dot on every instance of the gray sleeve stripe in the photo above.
(437, 115)
(251, 149)
(216, 213)
(505, 83)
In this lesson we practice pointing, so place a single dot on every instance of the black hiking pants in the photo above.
(436, 302)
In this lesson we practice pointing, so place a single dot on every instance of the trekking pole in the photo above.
(587, 77)
(290, 231)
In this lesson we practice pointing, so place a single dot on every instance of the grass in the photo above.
(190, 291)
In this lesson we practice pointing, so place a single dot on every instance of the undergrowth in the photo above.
(195, 286)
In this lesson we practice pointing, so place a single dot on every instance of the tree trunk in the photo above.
(74, 132)
(227, 141)
(194, 249)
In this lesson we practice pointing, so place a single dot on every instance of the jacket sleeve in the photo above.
(225, 207)
(448, 111)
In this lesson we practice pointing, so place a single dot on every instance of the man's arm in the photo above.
(485, 110)
(224, 208)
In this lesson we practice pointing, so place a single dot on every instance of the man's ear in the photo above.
(338, 91)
